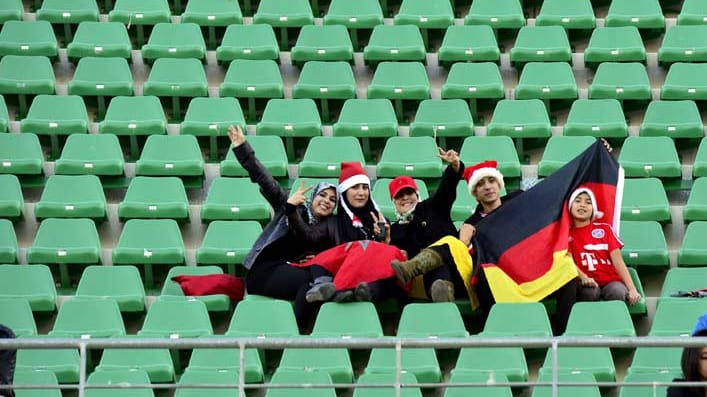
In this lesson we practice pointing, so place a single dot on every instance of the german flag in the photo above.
(523, 245)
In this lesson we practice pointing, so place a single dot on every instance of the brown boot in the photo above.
(422, 263)
(442, 291)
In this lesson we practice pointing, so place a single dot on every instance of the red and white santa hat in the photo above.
(473, 174)
(352, 173)
(595, 209)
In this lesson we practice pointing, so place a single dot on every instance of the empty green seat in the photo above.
(33, 283)
(97, 154)
(322, 43)
(644, 243)
(26, 75)
(227, 243)
(603, 318)
(100, 39)
(440, 118)
(227, 359)
(362, 14)
(696, 207)
(477, 391)
(12, 201)
(395, 43)
(358, 319)
(693, 251)
(72, 196)
(255, 41)
(119, 379)
(700, 167)
(367, 118)
(65, 241)
(615, 44)
(92, 318)
(172, 289)
(8, 242)
(176, 319)
(597, 118)
(469, 43)
(11, 11)
(155, 197)
(650, 156)
(381, 195)
(64, 363)
(32, 377)
(426, 14)
(270, 152)
(693, 12)
(56, 115)
(629, 390)
(567, 391)
(121, 284)
(644, 199)
(517, 319)
(335, 362)
(263, 318)
(211, 116)
(139, 13)
(476, 149)
(398, 81)
(28, 38)
(175, 78)
(102, 77)
(67, 13)
(156, 362)
(520, 119)
(139, 115)
(595, 361)
(212, 14)
(431, 320)
(251, 79)
(16, 314)
(546, 80)
(541, 44)
(284, 14)
(387, 379)
(174, 40)
(621, 81)
(472, 81)
(199, 376)
(684, 44)
(413, 156)
(324, 156)
(325, 81)
(643, 15)
(234, 199)
(685, 81)
(290, 119)
(504, 14)
(682, 279)
(420, 362)
(560, 150)
(676, 119)
(304, 376)
(166, 155)
(506, 361)
(676, 317)
(569, 15)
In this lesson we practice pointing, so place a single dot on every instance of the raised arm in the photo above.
(447, 191)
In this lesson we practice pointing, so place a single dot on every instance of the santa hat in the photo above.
(352, 173)
(400, 183)
(595, 210)
(473, 174)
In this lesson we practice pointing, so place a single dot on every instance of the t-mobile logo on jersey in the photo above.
(589, 261)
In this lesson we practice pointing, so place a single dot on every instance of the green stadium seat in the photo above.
(234, 199)
(140, 13)
(644, 199)
(643, 15)
(16, 314)
(367, 118)
(508, 362)
(468, 43)
(147, 242)
(301, 376)
(100, 39)
(517, 319)
(693, 251)
(676, 317)
(292, 119)
(322, 43)
(172, 290)
(389, 380)
(324, 156)
(67, 13)
(684, 44)
(12, 10)
(226, 359)
(362, 14)
(597, 118)
(255, 41)
(676, 119)
(567, 391)
(103, 78)
(465, 203)
(381, 195)
(395, 43)
(569, 15)
(227, 243)
(442, 118)
(33, 283)
(683, 279)
(56, 115)
(335, 362)
(121, 284)
(400, 81)
(431, 320)
(541, 44)
(64, 363)
(420, 362)
(615, 44)
(284, 14)
(644, 243)
(622, 81)
(156, 362)
(211, 117)
(88, 318)
(425, 14)
(270, 152)
(546, 80)
(263, 318)
(205, 377)
(120, 379)
(176, 319)
(8, 242)
(603, 318)
(650, 156)
(175, 78)
(596, 361)
(472, 81)
(31, 377)
(174, 40)
(635, 391)
(478, 391)
(700, 167)
(325, 81)
(560, 150)
(504, 14)
(639, 308)
(20, 154)
(28, 38)
(212, 14)
(696, 207)
(685, 81)
(693, 12)
(476, 149)
(132, 117)
(170, 155)
(96, 154)
(12, 201)
(251, 80)
(358, 319)
(520, 119)
(4, 115)
(21, 76)
(72, 196)
(154, 198)
(655, 361)
(412, 156)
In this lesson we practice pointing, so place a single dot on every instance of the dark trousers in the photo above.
(7, 362)
(448, 271)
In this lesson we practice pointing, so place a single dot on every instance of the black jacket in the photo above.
(675, 391)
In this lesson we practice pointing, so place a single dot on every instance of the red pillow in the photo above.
(212, 284)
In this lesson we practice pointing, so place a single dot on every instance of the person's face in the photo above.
(357, 195)
(487, 191)
(324, 203)
(582, 209)
(405, 200)
(703, 363)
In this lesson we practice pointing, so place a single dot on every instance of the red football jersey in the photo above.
(590, 247)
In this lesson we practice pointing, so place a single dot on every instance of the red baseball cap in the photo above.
(400, 183)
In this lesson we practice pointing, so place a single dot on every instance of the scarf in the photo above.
(315, 192)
